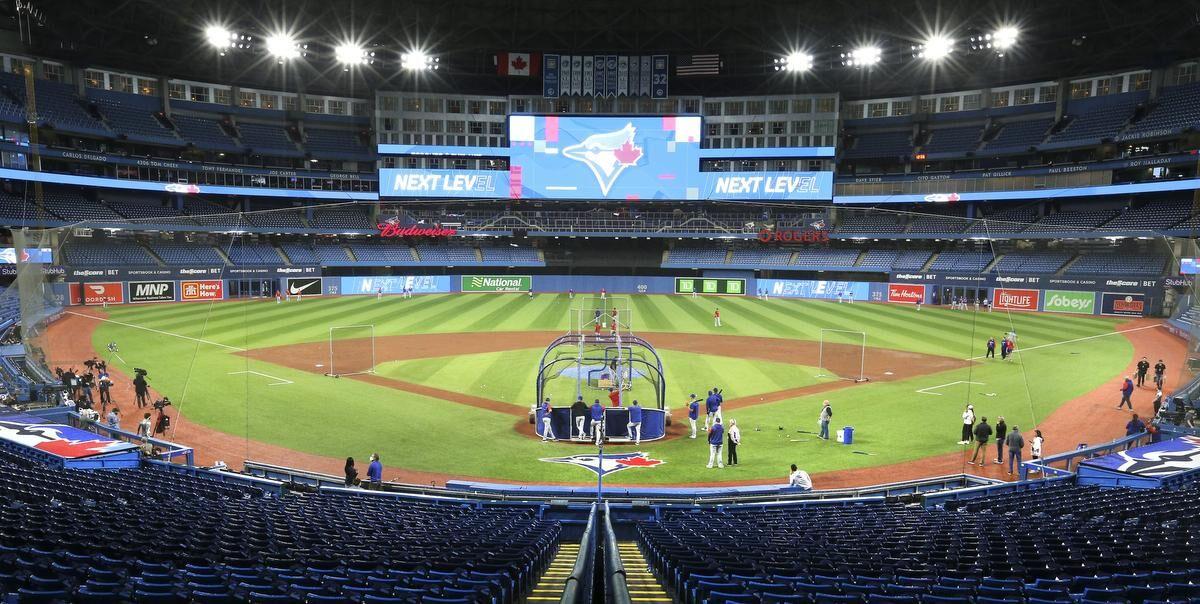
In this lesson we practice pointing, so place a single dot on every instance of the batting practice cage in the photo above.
(600, 358)
(351, 350)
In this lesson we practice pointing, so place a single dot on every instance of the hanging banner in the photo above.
(622, 76)
(589, 83)
(610, 76)
(576, 75)
(550, 79)
(658, 81)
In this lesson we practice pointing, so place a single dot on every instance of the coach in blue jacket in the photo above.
(635, 423)
(716, 437)
(597, 420)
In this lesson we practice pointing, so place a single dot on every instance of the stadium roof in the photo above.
(1060, 38)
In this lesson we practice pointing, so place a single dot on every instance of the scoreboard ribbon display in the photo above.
(700, 285)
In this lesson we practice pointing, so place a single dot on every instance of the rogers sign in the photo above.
(794, 236)
(1015, 299)
(387, 229)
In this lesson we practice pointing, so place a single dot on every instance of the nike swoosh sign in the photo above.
(299, 290)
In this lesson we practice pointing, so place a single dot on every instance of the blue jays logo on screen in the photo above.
(612, 463)
(603, 157)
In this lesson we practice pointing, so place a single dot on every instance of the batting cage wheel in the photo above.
(351, 350)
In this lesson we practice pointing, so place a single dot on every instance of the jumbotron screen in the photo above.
(617, 158)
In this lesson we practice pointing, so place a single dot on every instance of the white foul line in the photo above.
(278, 380)
(1111, 333)
(926, 390)
(158, 331)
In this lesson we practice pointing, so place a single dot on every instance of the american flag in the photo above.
(698, 65)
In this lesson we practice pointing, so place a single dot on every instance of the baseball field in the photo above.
(455, 373)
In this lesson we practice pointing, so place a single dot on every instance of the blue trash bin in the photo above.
(847, 435)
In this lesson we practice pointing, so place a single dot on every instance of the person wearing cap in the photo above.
(597, 420)
(634, 428)
(1015, 443)
(579, 413)
(693, 413)
(968, 425)
(983, 432)
(547, 430)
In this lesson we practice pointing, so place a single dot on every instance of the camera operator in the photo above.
(141, 387)
(163, 423)
(105, 385)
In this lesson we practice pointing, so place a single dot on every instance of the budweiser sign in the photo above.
(387, 229)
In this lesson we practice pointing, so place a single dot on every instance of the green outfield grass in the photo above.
(893, 421)
(509, 376)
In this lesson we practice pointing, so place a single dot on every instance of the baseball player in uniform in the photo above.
(597, 421)
(693, 414)
(717, 318)
(547, 431)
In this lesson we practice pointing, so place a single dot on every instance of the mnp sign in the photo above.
(496, 283)
(1083, 303)
(151, 291)
(1122, 305)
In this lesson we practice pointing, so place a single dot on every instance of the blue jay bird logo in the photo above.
(607, 155)
(612, 463)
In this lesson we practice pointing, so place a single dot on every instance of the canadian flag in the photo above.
(518, 63)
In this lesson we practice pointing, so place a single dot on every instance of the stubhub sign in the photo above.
(618, 158)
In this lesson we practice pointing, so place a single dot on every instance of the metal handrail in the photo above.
(615, 581)
(577, 589)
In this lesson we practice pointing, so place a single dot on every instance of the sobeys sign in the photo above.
(496, 283)
(1068, 301)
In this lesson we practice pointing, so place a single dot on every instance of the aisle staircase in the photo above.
(643, 586)
(550, 585)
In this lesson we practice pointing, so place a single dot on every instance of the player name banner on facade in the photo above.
(604, 75)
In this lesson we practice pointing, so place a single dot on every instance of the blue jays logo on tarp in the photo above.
(1158, 459)
(607, 155)
(611, 463)
(57, 439)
